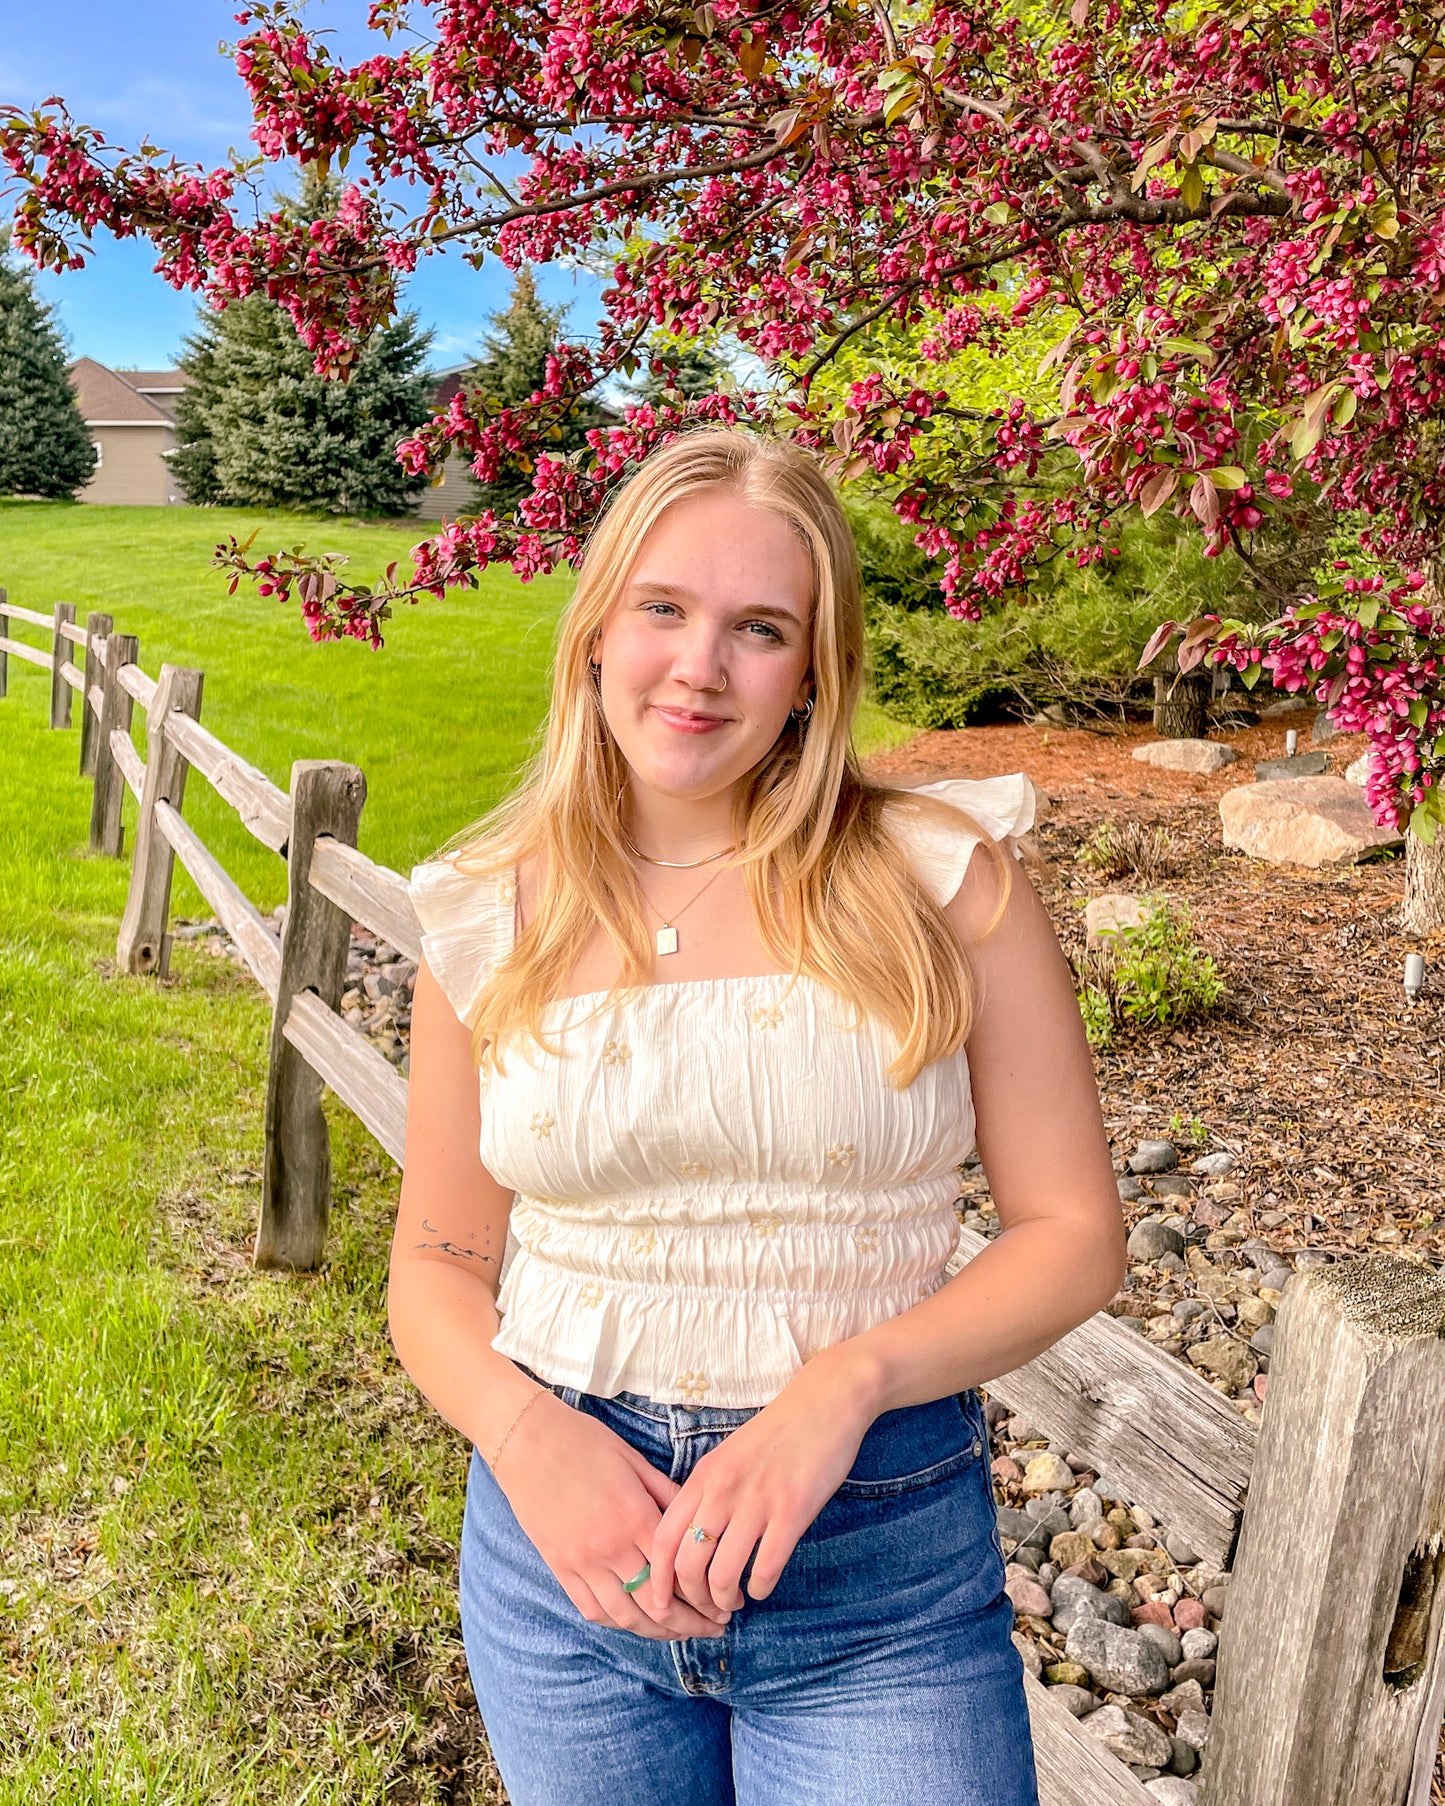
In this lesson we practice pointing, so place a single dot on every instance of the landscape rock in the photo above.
(1105, 915)
(1075, 1599)
(1358, 771)
(1173, 1790)
(1129, 1736)
(1077, 1700)
(1186, 755)
(1149, 1239)
(1166, 1641)
(1293, 765)
(1226, 1360)
(1193, 1729)
(1199, 1644)
(1324, 730)
(1065, 1674)
(1029, 1597)
(1154, 1157)
(1119, 1660)
(1187, 1696)
(1032, 1660)
(1046, 1472)
(1287, 705)
(1214, 1166)
(1312, 822)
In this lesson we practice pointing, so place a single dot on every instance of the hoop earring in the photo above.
(807, 713)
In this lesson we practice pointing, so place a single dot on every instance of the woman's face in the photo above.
(719, 590)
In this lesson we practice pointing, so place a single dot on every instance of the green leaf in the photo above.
(1422, 824)
(1343, 411)
(1227, 476)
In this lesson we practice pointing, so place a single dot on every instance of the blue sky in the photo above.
(152, 68)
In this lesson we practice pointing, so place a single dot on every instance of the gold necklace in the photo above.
(667, 934)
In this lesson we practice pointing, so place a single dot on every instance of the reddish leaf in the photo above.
(1204, 500)
(1157, 491)
(1158, 640)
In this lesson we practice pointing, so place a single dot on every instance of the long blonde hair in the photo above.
(805, 821)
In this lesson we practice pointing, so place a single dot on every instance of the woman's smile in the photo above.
(688, 723)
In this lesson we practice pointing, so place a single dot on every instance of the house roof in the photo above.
(106, 395)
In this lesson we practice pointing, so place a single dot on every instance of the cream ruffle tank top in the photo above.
(715, 1180)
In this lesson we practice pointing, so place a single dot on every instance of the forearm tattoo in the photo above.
(452, 1248)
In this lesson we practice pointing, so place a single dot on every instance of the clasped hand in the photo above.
(759, 1489)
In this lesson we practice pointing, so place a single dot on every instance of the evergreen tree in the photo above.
(45, 448)
(514, 363)
(257, 425)
(690, 370)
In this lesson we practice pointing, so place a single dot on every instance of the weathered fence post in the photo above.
(97, 626)
(1331, 1676)
(326, 798)
(106, 833)
(144, 945)
(59, 688)
(4, 635)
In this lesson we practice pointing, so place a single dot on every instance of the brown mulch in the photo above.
(1317, 1072)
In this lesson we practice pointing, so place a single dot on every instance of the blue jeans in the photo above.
(880, 1670)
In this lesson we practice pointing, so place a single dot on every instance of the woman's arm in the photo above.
(1058, 1258)
(451, 1230)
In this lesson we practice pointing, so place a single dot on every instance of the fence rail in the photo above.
(1331, 1663)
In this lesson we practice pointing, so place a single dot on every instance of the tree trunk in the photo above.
(1181, 705)
(1423, 911)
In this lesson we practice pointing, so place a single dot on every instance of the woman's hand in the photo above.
(591, 1505)
(763, 1486)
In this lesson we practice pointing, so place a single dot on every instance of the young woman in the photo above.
(705, 1025)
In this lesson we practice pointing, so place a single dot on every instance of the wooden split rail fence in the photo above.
(1331, 1665)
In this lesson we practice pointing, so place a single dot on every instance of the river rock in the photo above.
(1032, 1660)
(1119, 1660)
(1216, 1165)
(1185, 755)
(1077, 1700)
(1070, 1548)
(1046, 1472)
(1165, 1641)
(1154, 1157)
(1315, 821)
(1129, 1736)
(1185, 1696)
(1074, 1599)
(1193, 1729)
(1358, 771)
(1030, 1598)
(1229, 1361)
(1173, 1790)
(1149, 1239)
(1085, 1508)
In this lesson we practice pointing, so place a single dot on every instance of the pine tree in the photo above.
(256, 425)
(514, 363)
(45, 448)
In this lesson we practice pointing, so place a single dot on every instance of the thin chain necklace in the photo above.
(667, 934)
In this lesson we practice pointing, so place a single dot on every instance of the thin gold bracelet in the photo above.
(492, 1464)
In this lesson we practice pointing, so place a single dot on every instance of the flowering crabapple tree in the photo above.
(1226, 221)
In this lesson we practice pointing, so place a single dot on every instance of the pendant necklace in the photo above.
(667, 934)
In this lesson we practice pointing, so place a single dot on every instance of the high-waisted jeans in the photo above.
(880, 1670)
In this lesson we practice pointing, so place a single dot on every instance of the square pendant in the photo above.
(667, 940)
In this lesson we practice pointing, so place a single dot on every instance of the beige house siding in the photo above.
(133, 468)
(452, 496)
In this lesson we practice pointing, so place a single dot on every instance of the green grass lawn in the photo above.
(440, 719)
(228, 1522)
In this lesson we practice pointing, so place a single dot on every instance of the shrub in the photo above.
(1128, 850)
(1152, 976)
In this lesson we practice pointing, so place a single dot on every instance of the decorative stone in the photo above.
(1302, 821)
(1165, 1641)
(1229, 1361)
(1186, 755)
(1149, 1239)
(1071, 1547)
(1119, 1660)
(1032, 1660)
(1077, 1700)
(1074, 1599)
(1188, 1696)
(1193, 1729)
(1189, 1614)
(1216, 1165)
(1294, 765)
(1131, 1737)
(1046, 1472)
(1154, 1157)
(1065, 1674)
(1198, 1644)
(1106, 915)
(1358, 771)
(1028, 1596)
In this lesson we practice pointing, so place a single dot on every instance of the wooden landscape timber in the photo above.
(1331, 1674)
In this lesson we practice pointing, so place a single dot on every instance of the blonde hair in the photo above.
(806, 822)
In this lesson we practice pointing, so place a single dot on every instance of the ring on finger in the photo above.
(699, 1535)
(643, 1573)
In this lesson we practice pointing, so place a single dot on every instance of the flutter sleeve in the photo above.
(466, 925)
(938, 850)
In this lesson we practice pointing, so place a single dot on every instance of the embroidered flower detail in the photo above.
(765, 1223)
(766, 1015)
(693, 1387)
(507, 890)
(616, 1053)
(867, 1237)
(590, 1294)
(841, 1153)
(644, 1240)
(542, 1123)
(694, 1169)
